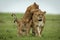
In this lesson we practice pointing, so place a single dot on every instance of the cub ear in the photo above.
(35, 3)
(44, 12)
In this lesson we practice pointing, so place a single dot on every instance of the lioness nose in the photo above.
(40, 17)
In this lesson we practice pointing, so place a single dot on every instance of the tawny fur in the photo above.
(28, 15)
(38, 20)
(23, 28)
(19, 23)
(27, 19)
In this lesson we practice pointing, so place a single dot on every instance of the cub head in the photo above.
(34, 6)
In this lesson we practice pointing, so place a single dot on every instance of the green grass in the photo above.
(8, 29)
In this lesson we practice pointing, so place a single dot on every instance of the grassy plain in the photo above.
(8, 29)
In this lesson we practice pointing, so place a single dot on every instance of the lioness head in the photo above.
(38, 14)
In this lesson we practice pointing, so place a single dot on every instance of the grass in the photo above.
(8, 29)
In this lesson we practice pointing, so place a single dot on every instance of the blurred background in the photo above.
(51, 6)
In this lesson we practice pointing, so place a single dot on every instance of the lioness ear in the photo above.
(44, 12)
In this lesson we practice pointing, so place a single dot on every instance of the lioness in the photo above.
(38, 21)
